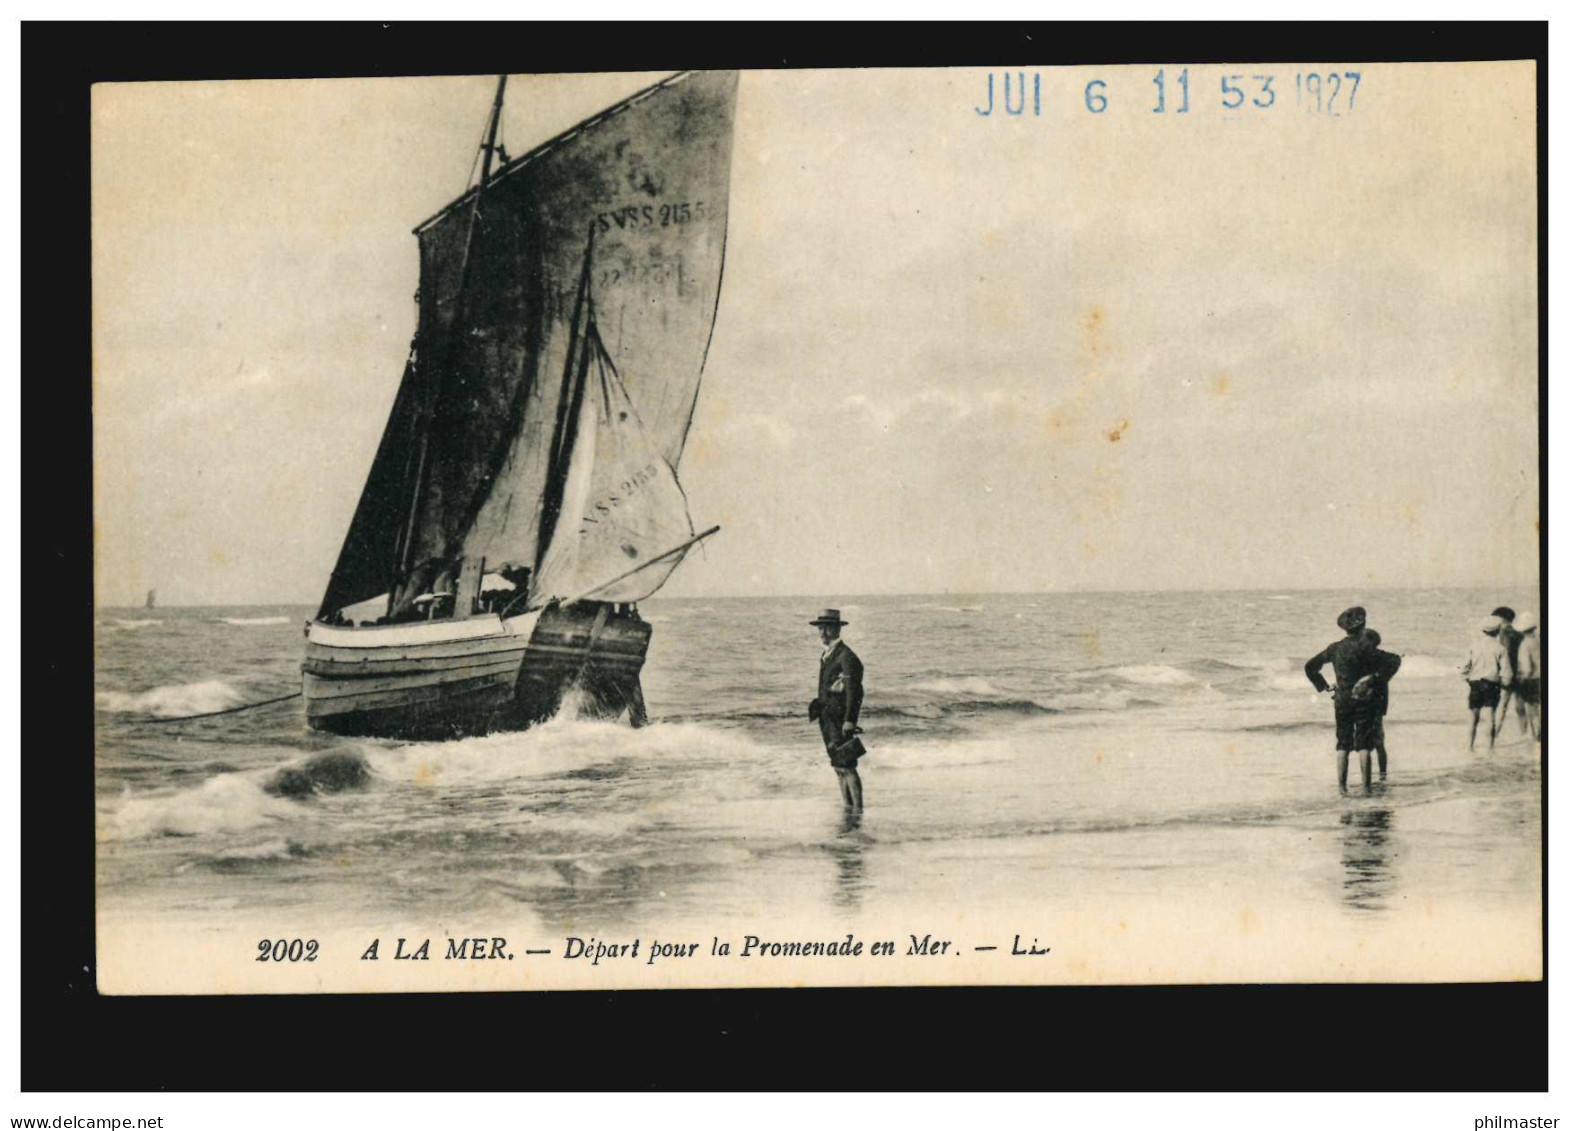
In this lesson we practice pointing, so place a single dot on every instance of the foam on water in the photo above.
(228, 803)
(958, 685)
(273, 849)
(560, 746)
(1427, 667)
(1153, 675)
(255, 620)
(172, 700)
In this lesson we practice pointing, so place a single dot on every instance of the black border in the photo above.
(1399, 1038)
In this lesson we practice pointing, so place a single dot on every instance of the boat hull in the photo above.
(444, 679)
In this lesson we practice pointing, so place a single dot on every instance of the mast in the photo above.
(434, 382)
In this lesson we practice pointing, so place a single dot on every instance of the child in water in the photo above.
(1377, 696)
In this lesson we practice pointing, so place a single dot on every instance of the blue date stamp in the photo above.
(1017, 94)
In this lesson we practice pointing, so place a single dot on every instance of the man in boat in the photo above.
(406, 606)
(837, 708)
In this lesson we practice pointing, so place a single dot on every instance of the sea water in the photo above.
(1066, 751)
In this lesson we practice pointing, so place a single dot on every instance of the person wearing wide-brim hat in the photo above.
(1352, 659)
(837, 708)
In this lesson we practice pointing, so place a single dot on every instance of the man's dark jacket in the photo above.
(1352, 658)
(839, 692)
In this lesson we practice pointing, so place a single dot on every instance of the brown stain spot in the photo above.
(1122, 924)
(1100, 756)
(1094, 326)
(1221, 385)
(1092, 643)
(1231, 749)
(218, 558)
(1248, 920)
(424, 775)
(1116, 433)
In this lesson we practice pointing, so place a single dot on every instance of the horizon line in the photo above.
(818, 595)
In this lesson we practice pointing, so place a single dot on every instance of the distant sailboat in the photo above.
(524, 495)
(152, 599)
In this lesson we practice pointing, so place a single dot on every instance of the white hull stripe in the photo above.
(421, 632)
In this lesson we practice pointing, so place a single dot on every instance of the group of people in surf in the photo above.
(1505, 663)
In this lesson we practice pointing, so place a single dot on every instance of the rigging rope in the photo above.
(225, 711)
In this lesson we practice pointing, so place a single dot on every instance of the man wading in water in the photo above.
(838, 705)
(1352, 658)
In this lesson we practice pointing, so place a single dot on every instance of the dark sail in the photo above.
(365, 563)
(651, 175)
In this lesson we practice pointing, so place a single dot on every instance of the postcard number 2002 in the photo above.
(287, 950)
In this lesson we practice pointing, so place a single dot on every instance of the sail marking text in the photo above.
(651, 216)
(599, 510)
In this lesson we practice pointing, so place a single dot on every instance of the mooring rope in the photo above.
(225, 711)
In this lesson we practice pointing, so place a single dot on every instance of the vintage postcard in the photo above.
(1063, 525)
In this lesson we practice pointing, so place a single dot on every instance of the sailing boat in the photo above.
(152, 599)
(524, 495)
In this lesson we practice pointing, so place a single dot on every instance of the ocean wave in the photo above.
(255, 620)
(1213, 667)
(121, 622)
(172, 700)
(275, 849)
(1153, 675)
(1102, 699)
(560, 746)
(958, 685)
(229, 803)
(1418, 666)
(1008, 706)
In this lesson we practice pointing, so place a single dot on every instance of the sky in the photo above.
(954, 352)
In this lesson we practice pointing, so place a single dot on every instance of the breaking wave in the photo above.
(1153, 675)
(255, 620)
(172, 700)
(121, 622)
(1427, 667)
(958, 685)
(222, 805)
(1010, 706)
(273, 801)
